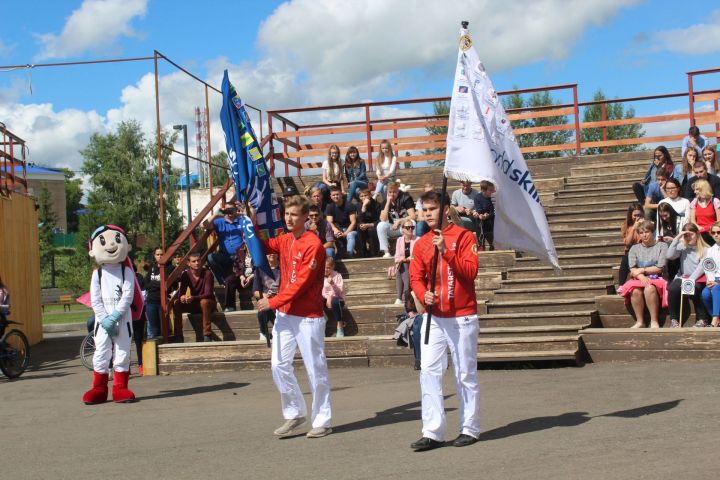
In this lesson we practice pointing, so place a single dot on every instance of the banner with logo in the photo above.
(481, 146)
(250, 174)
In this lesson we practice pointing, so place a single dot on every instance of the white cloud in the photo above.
(699, 39)
(5, 49)
(95, 26)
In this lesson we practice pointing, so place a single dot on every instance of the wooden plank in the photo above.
(706, 97)
(641, 355)
(545, 128)
(554, 112)
(201, 367)
(635, 120)
(304, 153)
(548, 148)
(647, 339)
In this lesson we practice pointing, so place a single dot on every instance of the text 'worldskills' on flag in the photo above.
(250, 174)
(481, 146)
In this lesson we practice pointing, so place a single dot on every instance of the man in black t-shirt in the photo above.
(397, 207)
(368, 217)
(342, 217)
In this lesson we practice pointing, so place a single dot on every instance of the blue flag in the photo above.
(250, 174)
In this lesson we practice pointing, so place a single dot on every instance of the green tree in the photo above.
(441, 109)
(123, 180)
(537, 139)
(613, 111)
(46, 229)
(73, 197)
(220, 170)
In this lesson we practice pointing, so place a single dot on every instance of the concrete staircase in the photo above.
(528, 312)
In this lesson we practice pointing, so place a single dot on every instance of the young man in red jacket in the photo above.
(299, 321)
(454, 324)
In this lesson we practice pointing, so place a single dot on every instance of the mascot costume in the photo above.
(116, 301)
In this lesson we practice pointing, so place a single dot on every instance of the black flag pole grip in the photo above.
(441, 218)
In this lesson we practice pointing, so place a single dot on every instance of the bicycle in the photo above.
(14, 349)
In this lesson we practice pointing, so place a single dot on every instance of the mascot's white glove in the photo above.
(111, 323)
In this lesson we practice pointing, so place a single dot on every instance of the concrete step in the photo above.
(540, 305)
(629, 344)
(541, 271)
(539, 320)
(554, 292)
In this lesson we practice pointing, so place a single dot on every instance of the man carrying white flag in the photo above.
(481, 146)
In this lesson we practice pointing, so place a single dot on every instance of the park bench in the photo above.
(65, 300)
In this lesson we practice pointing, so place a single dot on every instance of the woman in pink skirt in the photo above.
(646, 288)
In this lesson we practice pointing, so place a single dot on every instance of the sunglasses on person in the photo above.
(714, 232)
(408, 227)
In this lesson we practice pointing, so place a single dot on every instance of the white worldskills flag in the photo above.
(481, 146)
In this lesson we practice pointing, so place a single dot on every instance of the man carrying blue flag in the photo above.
(230, 232)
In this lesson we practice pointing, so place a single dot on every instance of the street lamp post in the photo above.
(187, 168)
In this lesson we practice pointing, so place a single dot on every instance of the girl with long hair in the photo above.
(331, 172)
(355, 172)
(687, 248)
(710, 158)
(708, 267)
(704, 209)
(630, 237)
(386, 162)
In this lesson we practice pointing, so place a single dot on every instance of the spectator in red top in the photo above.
(201, 299)
(299, 321)
(704, 210)
(454, 323)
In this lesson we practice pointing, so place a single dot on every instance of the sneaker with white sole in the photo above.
(340, 332)
(674, 323)
(263, 338)
(398, 302)
(701, 324)
(387, 255)
(319, 432)
(289, 425)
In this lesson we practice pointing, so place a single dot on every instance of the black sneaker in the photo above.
(207, 338)
(464, 440)
(417, 364)
(425, 443)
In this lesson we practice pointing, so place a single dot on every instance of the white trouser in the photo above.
(116, 349)
(308, 334)
(384, 233)
(460, 335)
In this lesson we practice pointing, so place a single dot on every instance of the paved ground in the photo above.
(644, 420)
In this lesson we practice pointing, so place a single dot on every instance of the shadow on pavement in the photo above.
(571, 419)
(194, 391)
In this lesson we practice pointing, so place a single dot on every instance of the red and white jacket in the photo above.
(455, 276)
(302, 269)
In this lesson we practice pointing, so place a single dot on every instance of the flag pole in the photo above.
(429, 309)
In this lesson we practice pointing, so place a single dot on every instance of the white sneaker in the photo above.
(289, 425)
(340, 332)
(398, 302)
(263, 338)
(319, 432)
(387, 255)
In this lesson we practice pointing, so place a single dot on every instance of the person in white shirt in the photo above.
(386, 162)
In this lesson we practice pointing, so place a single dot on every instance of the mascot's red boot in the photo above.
(99, 391)
(120, 392)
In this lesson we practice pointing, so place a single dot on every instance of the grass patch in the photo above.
(77, 314)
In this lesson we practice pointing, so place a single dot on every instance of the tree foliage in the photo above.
(47, 223)
(220, 170)
(537, 139)
(439, 109)
(73, 198)
(613, 111)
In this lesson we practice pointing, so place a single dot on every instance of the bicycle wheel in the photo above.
(87, 350)
(15, 356)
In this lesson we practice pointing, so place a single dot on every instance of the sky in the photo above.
(285, 54)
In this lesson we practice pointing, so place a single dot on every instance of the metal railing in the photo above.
(13, 168)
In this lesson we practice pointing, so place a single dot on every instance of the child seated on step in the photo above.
(333, 293)
(240, 279)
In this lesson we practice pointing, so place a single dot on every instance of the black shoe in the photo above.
(417, 364)
(207, 338)
(425, 443)
(464, 440)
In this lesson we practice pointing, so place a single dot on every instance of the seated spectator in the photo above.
(709, 156)
(484, 214)
(226, 225)
(403, 254)
(678, 203)
(666, 231)
(265, 286)
(341, 214)
(646, 287)
(683, 172)
(463, 200)
(201, 299)
(700, 173)
(630, 236)
(704, 210)
(355, 172)
(319, 226)
(331, 172)
(368, 217)
(688, 248)
(397, 207)
(655, 193)
(711, 292)
(421, 226)
(318, 198)
(386, 162)
(333, 293)
(661, 161)
(241, 278)
(695, 140)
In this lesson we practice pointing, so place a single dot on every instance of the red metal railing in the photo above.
(13, 169)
